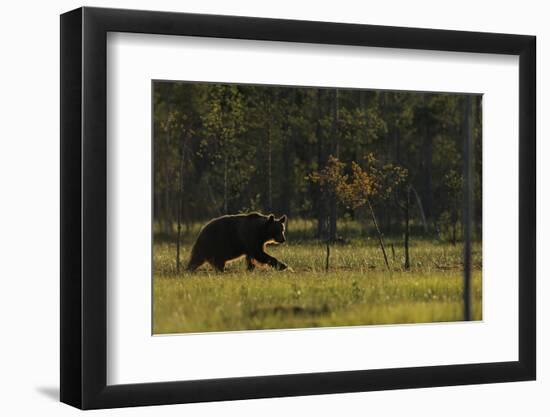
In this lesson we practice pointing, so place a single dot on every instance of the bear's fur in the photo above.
(233, 236)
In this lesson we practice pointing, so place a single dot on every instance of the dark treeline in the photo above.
(221, 148)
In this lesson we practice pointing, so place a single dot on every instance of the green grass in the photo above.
(358, 289)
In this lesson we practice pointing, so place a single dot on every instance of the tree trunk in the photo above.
(212, 198)
(427, 152)
(407, 229)
(167, 211)
(180, 204)
(321, 163)
(477, 150)
(468, 200)
(398, 146)
(166, 214)
(225, 194)
(327, 243)
(454, 221)
(156, 208)
(420, 208)
(336, 153)
(387, 218)
(269, 170)
(328, 256)
(379, 234)
(288, 166)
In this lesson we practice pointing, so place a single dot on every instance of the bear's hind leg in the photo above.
(194, 263)
(264, 258)
(250, 263)
(218, 264)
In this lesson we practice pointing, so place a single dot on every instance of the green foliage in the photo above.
(235, 148)
(354, 190)
(331, 179)
(223, 119)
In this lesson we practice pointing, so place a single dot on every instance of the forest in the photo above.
(351, 168)
(221, 148)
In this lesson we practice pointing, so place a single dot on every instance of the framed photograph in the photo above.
(258, 208)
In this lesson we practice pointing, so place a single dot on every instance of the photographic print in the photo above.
(284, 207)
(304, 195)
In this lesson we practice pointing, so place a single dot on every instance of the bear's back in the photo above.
(228, 236)
(220, 227)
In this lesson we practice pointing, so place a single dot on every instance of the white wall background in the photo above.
(29, 218)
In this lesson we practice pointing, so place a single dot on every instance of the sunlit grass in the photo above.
(358, 289)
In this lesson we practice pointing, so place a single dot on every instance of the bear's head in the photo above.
(276, 229)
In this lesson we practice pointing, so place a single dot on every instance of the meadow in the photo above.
(358, 289)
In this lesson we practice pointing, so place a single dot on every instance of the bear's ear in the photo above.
(271, 218)
(283, 219)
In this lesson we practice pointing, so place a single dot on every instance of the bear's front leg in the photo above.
(280, 266)
(250, 263)
(264, 258)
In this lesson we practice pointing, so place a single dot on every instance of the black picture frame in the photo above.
(84, 207)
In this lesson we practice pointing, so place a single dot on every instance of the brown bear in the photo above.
(233, 236)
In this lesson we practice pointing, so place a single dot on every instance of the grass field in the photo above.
(358, 289)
